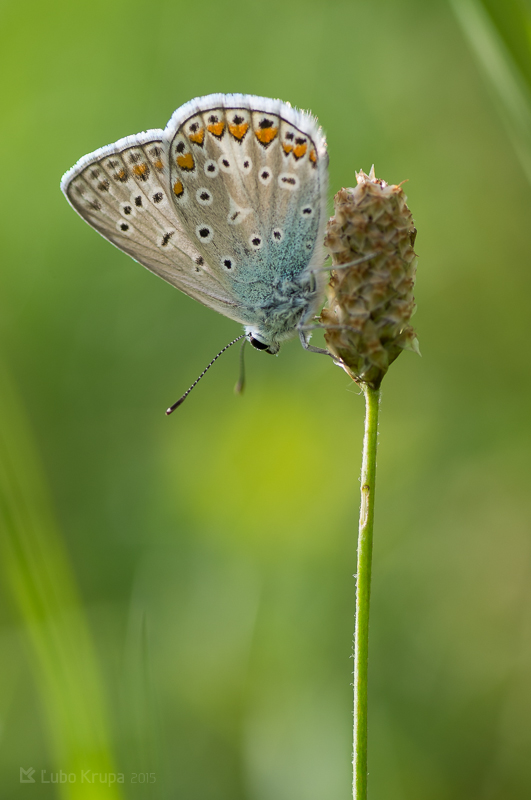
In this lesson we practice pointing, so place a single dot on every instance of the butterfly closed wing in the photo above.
(228, 204)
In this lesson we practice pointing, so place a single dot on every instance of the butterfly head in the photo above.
(258, 340)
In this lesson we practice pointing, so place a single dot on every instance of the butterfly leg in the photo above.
(310, 347)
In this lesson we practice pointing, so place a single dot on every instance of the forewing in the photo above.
(122, 191)
(248, 177)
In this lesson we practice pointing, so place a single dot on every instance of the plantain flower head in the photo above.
(370, 294)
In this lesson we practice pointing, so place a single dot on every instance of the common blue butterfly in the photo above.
(227, 203)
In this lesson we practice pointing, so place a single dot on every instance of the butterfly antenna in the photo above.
(185, 395)
(240, 386)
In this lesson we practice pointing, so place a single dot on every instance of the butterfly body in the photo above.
(227, 203)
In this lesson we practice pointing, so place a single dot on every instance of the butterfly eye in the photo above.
(272, 349)
(257, 343)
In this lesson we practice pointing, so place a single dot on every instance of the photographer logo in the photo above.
(26, 775)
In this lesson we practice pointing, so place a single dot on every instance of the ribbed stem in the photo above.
(363, 592)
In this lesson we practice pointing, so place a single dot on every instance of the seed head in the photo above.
(370, 299)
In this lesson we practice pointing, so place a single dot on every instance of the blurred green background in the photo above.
(177, 594)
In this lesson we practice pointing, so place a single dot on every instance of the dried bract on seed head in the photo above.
(370, 297)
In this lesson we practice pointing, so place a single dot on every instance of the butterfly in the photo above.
(227, 203)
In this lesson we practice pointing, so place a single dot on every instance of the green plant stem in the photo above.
(363, 592)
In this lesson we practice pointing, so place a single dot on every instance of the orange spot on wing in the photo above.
(178, 188)
(120, 176)
(159, 164)
(140, 169)
(299, 150)
(287, 148)
(216, 128)
(186, 161)
(197, 137)
(313, 156)
(239, 131)
(266, 135)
